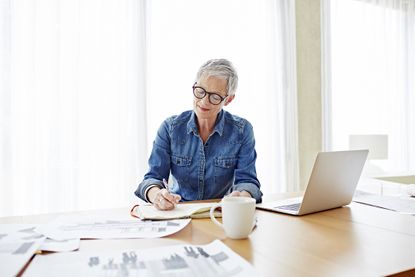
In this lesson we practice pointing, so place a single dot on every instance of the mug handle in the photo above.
(212, 214)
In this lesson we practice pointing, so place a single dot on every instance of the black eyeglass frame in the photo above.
(209, 94)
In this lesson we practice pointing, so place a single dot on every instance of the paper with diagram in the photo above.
(18, 243)
(106, 227)
(211, 260)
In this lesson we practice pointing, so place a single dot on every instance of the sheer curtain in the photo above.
(370, 62)
(85, 85)
(71, 103)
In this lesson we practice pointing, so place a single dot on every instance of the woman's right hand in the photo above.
(162, 199)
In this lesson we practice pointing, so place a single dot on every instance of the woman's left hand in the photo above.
(243, 193)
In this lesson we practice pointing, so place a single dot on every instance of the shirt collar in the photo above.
(220, 123)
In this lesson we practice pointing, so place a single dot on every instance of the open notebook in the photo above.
(182, 210)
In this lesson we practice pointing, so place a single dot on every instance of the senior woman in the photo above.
(208, 152)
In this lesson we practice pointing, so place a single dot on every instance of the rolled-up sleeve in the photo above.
(159, 162)
(245, 173)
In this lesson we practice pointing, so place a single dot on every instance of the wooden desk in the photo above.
(354, 240)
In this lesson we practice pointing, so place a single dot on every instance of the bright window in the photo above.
(370, 82)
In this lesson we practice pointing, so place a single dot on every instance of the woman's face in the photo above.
(202, 107)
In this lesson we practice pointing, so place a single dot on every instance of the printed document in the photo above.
(18, 243)
(211, 260)
(394, 203)
(106, 227)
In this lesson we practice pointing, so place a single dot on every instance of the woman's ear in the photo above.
(229, 99)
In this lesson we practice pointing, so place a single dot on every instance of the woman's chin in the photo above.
(202, 112)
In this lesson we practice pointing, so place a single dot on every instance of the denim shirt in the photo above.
(226, 162)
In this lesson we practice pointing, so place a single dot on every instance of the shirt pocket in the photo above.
(224, 170)
(180, 168)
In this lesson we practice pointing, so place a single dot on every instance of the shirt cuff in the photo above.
(147, 189)
(251, 188)
(145, 185)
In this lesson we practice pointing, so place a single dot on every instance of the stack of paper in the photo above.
(19, 242)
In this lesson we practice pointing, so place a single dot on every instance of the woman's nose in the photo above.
(205, 100)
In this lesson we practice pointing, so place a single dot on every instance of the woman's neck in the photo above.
(205, 128)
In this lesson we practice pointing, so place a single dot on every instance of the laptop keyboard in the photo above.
(291, 207)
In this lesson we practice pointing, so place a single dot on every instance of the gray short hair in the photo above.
(221, 68)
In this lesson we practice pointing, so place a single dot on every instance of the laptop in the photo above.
(332, 183)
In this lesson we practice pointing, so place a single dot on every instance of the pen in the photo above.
(166, 185)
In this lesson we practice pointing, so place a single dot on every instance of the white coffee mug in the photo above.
(237, 216)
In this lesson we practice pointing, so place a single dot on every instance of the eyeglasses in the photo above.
(214, 98)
